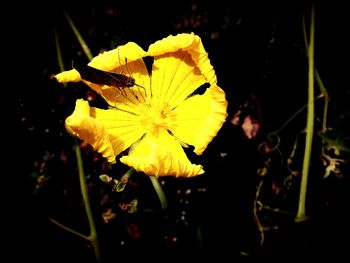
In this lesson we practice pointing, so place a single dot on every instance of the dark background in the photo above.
(258, 52)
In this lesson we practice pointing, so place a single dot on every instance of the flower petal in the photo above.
(82, 125)
(122, 55)
(123, 128)
(190, 43)
(68, 76)
(126, 60)
(126, 98)
(199, 118)
(161, 156)
(174, 78)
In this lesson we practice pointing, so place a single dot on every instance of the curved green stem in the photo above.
(309, 123)
(93, 233)
(159, 191)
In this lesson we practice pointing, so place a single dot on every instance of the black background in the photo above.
(246, 61)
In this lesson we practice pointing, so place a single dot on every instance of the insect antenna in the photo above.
(129, 72)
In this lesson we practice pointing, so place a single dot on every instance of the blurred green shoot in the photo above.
(77, 34)
(59, 55)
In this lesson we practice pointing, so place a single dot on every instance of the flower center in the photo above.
(154, 118)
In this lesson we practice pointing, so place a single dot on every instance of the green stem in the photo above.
(93, 233)
(324, 92)
(129, 173)
(59, 55)
(319, 81)
(159, 191)
(69, 229)
(309, 123)
(255, 213)
(81, 40)
(296, 114)
(290, 119)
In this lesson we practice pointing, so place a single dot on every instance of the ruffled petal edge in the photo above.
(186, 42)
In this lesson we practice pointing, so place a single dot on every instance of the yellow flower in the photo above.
(160, 116)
